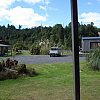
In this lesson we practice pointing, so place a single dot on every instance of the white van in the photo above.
(55, 51)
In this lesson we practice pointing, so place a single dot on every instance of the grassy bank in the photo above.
(54, 82)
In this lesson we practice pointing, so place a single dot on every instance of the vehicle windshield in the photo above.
(54, 48)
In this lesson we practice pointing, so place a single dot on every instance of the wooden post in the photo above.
(75, 47)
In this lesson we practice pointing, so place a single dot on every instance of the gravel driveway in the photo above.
(35, 59)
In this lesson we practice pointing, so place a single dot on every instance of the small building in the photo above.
(3, 48)
(89, 43)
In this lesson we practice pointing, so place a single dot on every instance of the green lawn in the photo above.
(54, 82)
(23, 52)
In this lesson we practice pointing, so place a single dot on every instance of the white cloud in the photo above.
(43, 8)
(46, 2)
(90, 17)
(45, 5)
(32, 1)
(3, 13)
(23, 16)
(6, 3)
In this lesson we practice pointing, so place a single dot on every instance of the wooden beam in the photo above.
(75, 47)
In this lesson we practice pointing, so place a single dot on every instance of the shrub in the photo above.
(17, 46)
(10, 70)
(11, 74)
(11, 63)
(2, 66)
(8, 74)
(22, 69)
(35, 49)
(31, 72)
(93, 58)
(44, 51)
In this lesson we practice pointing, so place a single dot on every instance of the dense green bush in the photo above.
(35, 49)
(44, 51)
(93, 58)
(22, 69)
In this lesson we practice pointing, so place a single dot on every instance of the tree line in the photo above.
(44, 37)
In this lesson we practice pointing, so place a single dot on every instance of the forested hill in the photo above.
(47, 36)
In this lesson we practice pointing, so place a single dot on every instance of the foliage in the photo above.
(22, 69)
(56, 35)
(93, 58)
(9, 74)
(1, 67)
(68, 36)
(44, 51)
(7, 69)
(17, 46)
(11, 70)
(11, 63)
(35, 49)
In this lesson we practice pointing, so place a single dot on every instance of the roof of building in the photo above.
(3, 45)
(90, 38)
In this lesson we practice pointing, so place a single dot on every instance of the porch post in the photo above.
(75, 47)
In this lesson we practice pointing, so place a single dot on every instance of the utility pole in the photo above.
(75, 47)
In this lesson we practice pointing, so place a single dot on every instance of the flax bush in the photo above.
(93, 59)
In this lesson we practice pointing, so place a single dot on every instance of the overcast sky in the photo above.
(30, 13)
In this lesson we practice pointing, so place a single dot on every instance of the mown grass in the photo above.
(23, 52)
(54, 82)
(67, 52)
